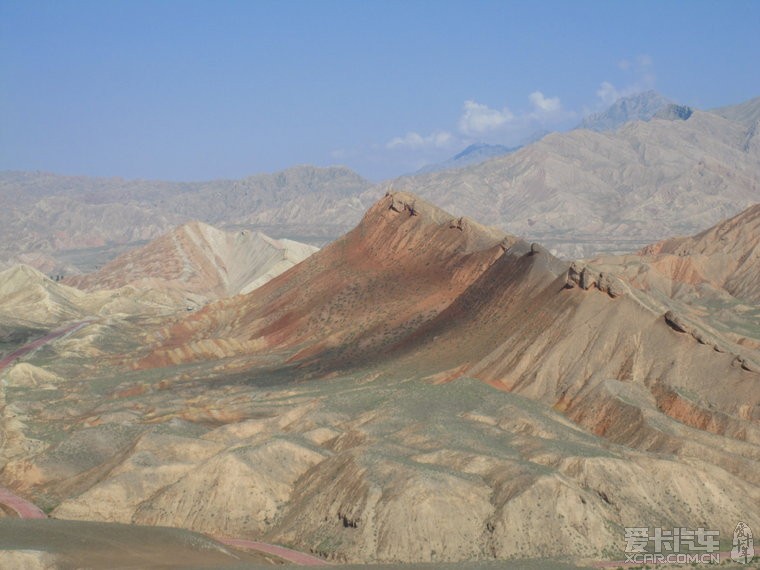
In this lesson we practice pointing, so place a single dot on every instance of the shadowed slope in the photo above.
(558, 338)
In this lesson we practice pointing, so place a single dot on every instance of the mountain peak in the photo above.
(637, 107)
(483, 149)
(402, 201)
(404, 218)
(674, 112)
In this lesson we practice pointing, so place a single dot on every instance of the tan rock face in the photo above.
(239, 492)
(585, 277)
(725, 256)
(705, 285)
(27, 297)
(155, 462)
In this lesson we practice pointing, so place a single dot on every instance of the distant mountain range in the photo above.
(582, 192)
(62, 224)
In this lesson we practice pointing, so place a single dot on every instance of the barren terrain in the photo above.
(424, 389)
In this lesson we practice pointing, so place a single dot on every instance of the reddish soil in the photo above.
(24, 509)
(280, 551)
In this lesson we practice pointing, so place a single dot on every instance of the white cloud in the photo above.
(478, 119)
(608, 93)
(640, 77)
(480, 123)
(415, 141)
(543, 104)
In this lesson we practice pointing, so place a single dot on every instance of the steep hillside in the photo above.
(413, 286)
(32, 302)
(729, 253)
(29, 298)
(199, 260)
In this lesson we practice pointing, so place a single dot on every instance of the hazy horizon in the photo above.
(188, 91)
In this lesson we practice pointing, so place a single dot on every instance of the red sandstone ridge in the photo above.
(402, 265)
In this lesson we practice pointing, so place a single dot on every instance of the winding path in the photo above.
(26, 510)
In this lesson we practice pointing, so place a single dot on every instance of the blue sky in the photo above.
(191, 90)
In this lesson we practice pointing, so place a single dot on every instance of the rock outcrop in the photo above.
(586, 277)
